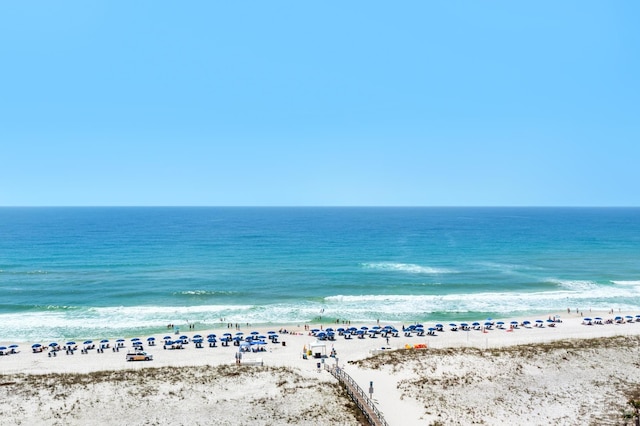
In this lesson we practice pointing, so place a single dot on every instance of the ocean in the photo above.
(85, 272)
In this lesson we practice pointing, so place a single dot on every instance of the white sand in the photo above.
(428, 386)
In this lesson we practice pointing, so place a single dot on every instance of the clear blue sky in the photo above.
(320, 103)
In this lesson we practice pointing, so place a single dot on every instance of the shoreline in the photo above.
(398, 405)
(292, 342)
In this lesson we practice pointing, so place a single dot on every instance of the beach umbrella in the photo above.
(488, 323)
(586, 319)
(439, 325)
(514, 322)
(550, 320)
(453, 324)
(464, 324)
(151, 339)
(36, 345)
(271, 332)
(500, 323)
(526, 322)
(3, 348)
(475, 324)
(13, 346)
(104, 341)
(88, 342)
(135, 339)
(432, 329)
(70, 343)
(539, 321)
(120, 341)
(211, 336)
(53, 344)
(197, 336)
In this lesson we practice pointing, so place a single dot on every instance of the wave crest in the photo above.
(410, 268)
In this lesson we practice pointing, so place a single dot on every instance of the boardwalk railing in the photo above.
(364, 403)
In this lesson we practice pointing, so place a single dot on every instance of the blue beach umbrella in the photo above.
(70, 343)
(104, 341)
(36, 345)
(453, 324)
(53, 344)
(151, 339)
(3, 348)
(13, 346)
(88, 342)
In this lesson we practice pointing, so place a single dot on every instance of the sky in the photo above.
(332, 103)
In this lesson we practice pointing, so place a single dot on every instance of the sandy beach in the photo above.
(568, 373)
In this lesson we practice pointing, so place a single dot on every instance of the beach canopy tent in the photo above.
(318, 349)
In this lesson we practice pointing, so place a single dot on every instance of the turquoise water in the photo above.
(93, 272)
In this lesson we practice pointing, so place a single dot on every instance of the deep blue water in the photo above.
(76, 272)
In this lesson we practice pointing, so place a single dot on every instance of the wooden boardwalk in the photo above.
(364, 403)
